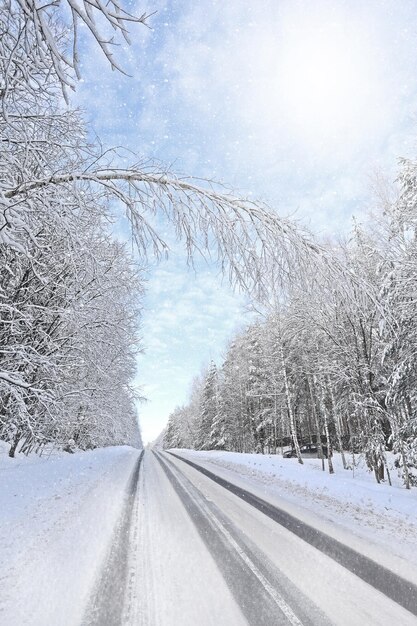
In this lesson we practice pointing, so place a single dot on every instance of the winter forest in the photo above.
(69, 289)
(332, 358)
(332, 355)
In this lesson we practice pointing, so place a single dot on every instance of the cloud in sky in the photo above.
(294, 102)
(188, 320)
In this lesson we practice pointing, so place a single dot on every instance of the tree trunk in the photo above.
(388, 474)
(405, 469)
(293, 429)
(337, 424)
(14, 445)
(317, 424)
(326, 430)
(329, 445)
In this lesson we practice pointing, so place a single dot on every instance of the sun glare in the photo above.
(316, 79)
(319, 76)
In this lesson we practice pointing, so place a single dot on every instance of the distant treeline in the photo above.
(332, 359)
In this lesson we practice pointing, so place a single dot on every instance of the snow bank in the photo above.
(57, 516)
(382, 518)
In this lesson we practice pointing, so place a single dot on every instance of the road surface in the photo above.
(192, 550)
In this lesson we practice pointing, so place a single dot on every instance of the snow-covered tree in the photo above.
(57, 190)
(209, 408)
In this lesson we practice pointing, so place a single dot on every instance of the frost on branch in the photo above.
(244, 236)
(68, 335)
(34, 39)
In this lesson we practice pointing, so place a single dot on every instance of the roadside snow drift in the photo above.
(57, 517)
(377, 520)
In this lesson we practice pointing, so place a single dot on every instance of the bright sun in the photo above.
(315, 77)
(319, 75)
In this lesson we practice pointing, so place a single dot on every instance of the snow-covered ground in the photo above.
(57, 518)
(378, 520)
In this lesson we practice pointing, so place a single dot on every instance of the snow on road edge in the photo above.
(378, 520)
(57, 518)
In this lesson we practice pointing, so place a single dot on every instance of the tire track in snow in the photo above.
(391, 585)
(107, 600)
(140, 605)
(264, 594)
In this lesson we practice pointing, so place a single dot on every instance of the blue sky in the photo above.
(295, 103)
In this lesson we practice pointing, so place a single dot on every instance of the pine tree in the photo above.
(209, 408)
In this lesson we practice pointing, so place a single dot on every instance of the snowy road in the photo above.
(196, 553)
